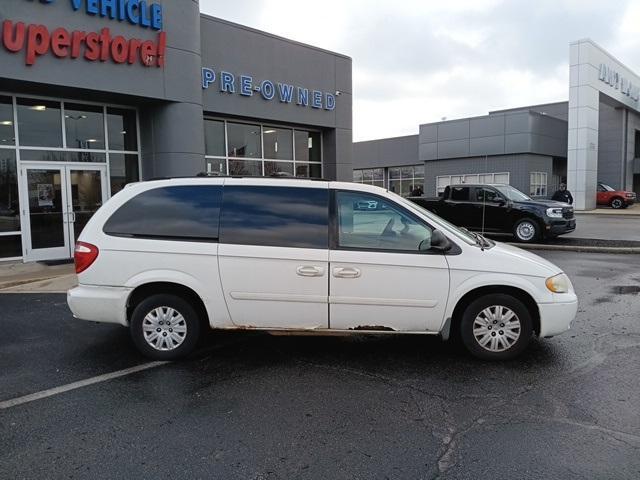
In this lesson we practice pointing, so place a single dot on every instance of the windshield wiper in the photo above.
(481, 241)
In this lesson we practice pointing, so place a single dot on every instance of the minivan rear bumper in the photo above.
(99, 304)
(556, 318)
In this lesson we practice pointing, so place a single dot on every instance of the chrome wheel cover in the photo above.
(617, 203)
(496, 328)
(526, 231)
(164, 328)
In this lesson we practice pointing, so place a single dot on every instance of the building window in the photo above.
(39, 123)
(84, 126)
(122, 129)
(261, 150)
(370, 176)
(538, 184)
(7, 130)
(444, 181)
(636, 153)
(407, 181)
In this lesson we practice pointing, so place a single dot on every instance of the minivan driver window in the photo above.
(369, 222)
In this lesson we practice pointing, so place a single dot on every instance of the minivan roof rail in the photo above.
(215, 175)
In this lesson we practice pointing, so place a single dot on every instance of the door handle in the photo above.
(73, 217)
(346, 272)
(309, 271)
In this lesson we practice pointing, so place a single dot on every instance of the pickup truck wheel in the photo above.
(526, 230)
(496, 327)
(617, 203)
(164, 327)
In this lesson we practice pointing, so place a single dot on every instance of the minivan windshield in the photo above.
(512, 194)
(462, 233)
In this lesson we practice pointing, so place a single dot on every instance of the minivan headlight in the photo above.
(558, 283)
(554, 212)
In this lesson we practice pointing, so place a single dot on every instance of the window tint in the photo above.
(460, 194)
(39, 123)
(487, 195)
(275, 216)
(181, 212)
(84, 125)
(367, 222)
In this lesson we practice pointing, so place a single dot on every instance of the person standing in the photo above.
(563, 195)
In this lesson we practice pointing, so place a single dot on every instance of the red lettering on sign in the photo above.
(60, 42)
(15, 42)
(37, 40)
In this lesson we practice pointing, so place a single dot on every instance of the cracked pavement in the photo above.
(254, 406)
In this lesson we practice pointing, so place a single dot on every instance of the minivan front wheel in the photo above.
(496, 327)
(164, 327)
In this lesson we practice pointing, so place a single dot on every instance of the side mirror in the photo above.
(438, 242)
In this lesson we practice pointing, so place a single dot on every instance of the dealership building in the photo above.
(95, 94)
(593, 137)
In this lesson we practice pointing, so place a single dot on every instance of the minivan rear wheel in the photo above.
(165, 327)
(496, 327)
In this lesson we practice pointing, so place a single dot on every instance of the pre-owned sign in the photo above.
(37, 40)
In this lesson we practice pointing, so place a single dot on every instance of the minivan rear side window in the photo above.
(275, 216)
(186, 212)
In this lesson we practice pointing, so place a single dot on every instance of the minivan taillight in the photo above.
(84, 255)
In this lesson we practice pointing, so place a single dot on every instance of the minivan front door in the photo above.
(380, 279)
(59, 201)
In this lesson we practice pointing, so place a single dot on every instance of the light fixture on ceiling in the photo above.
(270, 131)
(91, 140)
(6, 123)
(39, 108)
(123, 132)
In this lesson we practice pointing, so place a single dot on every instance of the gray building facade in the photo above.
(594, 137)
(94, 95)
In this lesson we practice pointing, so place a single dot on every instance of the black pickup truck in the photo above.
(501, 209)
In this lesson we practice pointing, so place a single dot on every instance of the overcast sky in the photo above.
(417, 61)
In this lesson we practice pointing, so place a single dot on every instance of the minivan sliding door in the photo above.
(273, 255)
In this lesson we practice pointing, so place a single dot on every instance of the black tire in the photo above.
(507, 347)
(522, 227)
(190, 322)
(616, 203)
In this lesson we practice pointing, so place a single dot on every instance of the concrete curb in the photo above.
(577, 248)
(17, 283)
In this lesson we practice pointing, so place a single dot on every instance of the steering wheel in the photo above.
(388, 229)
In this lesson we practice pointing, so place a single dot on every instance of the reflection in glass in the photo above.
(84, 126)
(214, 138)
(244, 140)
(278, 168)
(216, 166)
(308, 146)
(86, 156)
(45, 208)
(7, 132)
(86, 197)
(122, 130)
(278, 143)
(248, 168)
(10, 246)
(9, 202)
(39, 123)
(123, 169)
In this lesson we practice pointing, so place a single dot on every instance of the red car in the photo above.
(614, 198)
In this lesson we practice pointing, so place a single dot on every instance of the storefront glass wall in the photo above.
(60, 132)
(252, 149)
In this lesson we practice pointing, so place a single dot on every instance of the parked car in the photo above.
(169, 258)
(499, 208)
(614, 198)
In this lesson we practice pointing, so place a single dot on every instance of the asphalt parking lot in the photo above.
(254, 406)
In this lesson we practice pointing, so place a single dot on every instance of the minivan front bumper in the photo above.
(99, 303)
(556, 318)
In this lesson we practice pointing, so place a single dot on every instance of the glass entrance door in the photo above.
(61, 199)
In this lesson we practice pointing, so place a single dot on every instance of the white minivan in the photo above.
(168, 258)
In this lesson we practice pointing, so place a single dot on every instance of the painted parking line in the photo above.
(75, 385)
